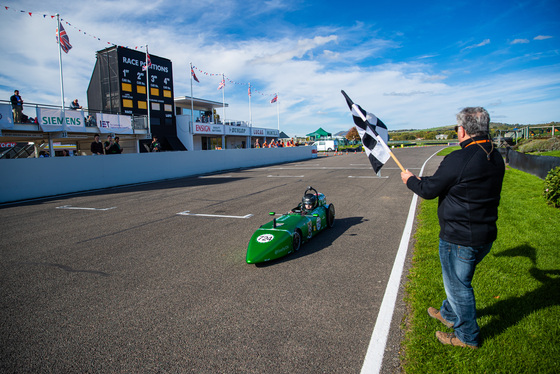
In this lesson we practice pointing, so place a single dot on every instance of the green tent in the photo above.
(320, 133)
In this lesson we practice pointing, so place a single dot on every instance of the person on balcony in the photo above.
(17, 106)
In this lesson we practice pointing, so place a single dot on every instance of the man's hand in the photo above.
(405, 175)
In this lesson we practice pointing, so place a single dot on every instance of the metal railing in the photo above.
(138, 122)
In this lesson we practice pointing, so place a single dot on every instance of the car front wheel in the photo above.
(330, 216)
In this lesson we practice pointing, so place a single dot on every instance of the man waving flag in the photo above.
(374, 135)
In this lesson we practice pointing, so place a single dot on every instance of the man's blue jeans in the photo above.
(458, 264)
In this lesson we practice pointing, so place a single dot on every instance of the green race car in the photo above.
(285, 234)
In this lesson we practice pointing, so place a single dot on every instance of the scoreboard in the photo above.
(133, 89)
(119, 85)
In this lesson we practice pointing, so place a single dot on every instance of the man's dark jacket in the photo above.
(468, 186)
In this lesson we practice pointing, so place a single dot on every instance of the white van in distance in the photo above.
(326, 145)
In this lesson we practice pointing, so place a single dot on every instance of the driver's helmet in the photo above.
(309, 201)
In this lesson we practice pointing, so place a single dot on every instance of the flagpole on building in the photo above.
(60, 63)
(278, 112)
(250, 111)
(224, 98)
(192, 104)
(51, 145)
(148, 92)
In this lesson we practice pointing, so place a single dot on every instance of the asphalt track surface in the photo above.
(117, 281)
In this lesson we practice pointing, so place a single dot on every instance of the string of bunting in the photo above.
(232, 81)
(51, 16)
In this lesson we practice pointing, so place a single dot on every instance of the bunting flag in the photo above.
(63, 39)
(194, 76)
(222, 85)
(253, 91)
(373, 133)
(145, 67)
(274, 99)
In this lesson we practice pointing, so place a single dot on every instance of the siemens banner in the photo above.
(57, 120)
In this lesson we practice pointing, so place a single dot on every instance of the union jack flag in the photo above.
(64, 39)
(194, 76)
(274, 99)
(222, 85)
(249, 91)
(145, 67)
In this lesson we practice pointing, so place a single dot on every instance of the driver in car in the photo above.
(308, 203)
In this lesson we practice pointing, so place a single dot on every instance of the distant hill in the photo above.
(341, 133)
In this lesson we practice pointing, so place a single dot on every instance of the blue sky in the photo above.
(413, 64)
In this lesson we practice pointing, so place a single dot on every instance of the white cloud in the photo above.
(481, 44)
(307, 67)
(542, 37)
(520, 41)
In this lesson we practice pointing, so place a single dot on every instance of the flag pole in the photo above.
(251, 113)
(148, 93)
(224, 98)
(60, 63)
(357, 110)
(278, 112)
(192, 105)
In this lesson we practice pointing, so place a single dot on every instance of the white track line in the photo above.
(368, 176)
(81, 208)
(187, 213)
(376, 349)
(285, 176)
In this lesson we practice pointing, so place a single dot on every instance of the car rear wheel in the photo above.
(330, 216)
(296, 240)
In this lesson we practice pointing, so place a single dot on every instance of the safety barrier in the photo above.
(535, 165)
(41, 177)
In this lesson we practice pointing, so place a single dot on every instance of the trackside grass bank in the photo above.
(517, 288)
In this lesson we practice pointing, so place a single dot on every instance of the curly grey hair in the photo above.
(475, 121)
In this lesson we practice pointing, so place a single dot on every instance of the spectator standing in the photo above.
(468, 183)
(108, 144)
(96, 146)
(117, 149)
(75, 105)
(257, 145)
(17, 106)
(155, 146)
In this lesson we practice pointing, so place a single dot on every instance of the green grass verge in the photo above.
(517, 288)
(548, 153)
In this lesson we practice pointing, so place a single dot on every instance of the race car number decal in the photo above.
(309, 229)
(318, 223)
(265, 238)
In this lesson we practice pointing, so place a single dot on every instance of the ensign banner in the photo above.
(208, 128)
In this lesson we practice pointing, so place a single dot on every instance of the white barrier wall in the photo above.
(40, 177)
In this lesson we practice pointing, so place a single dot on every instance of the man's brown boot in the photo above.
(451, 339)
(434, 313)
